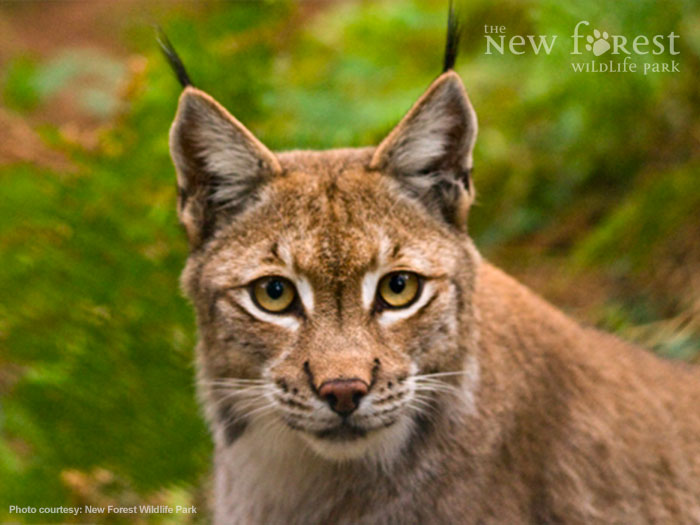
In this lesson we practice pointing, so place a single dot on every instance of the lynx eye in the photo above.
(399, 289)
(273, 294)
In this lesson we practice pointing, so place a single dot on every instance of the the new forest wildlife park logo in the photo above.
(623, 54)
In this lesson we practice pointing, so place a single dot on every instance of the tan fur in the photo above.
(533, 418)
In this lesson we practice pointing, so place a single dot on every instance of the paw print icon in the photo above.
(598, 43)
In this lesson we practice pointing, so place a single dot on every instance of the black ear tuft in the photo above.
(452, 44)
(173, 58)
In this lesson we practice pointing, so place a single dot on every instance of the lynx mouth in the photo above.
(347, 441)
(343, 432)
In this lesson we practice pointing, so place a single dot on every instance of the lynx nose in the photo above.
(343, 395)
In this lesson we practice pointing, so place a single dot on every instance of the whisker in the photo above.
(234, 386)
(263, 409)
(442, 374)
(437, 385)
(242, 398)
(233, 381)
(422, 402)
(435, 392)
(430, 414)
(240, 391)
(427, 399)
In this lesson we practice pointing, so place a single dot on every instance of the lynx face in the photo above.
(332, 288)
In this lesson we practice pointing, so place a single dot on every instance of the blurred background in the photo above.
(588, 191)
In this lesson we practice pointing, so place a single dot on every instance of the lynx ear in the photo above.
(430, 151)
(220, 164)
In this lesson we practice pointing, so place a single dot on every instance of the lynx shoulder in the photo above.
(360, 363)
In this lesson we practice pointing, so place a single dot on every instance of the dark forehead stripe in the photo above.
(332, 189)
(274, 256)
(340, 233)
(340, 287)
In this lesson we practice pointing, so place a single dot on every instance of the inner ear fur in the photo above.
(430, 151)
(220, 164)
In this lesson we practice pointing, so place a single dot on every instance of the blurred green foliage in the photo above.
(96, 341)
(29, 81)
(19, 89)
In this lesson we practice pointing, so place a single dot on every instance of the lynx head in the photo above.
(332, 289)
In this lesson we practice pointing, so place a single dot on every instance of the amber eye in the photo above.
(399, 289)
(273, 294)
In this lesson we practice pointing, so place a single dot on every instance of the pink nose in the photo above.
(343, 395)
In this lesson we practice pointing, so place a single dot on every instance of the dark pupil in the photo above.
(275, 289)
(397, 283)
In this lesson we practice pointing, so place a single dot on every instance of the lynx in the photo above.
(360, 363)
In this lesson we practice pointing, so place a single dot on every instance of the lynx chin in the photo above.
(359, 363)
